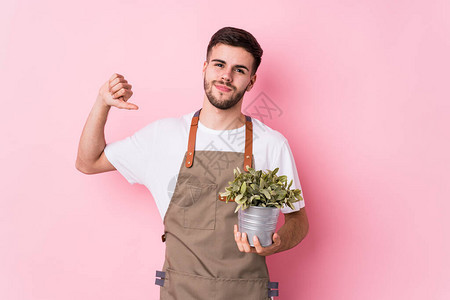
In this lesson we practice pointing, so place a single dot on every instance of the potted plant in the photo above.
(259, 197)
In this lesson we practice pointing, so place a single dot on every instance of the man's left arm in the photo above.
(292, 232)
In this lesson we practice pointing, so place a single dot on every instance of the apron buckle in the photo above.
(160, 277)
(273, 289)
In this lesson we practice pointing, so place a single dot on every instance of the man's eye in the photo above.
(220, 65)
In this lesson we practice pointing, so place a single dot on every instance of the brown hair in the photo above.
(239, 38)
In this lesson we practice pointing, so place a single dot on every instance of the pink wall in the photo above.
(363, 89)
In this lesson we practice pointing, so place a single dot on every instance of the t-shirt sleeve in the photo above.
(286, 164)
(132, 155)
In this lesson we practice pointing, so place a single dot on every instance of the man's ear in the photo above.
(252, 82)
(205, 64)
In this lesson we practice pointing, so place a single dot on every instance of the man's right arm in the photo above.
(91, 157)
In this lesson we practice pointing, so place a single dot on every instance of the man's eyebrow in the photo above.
(237, 66)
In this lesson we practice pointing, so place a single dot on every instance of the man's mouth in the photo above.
(222, 88)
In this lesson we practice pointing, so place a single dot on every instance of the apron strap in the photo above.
(191, 141)
(248, 141)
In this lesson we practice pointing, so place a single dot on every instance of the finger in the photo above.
(127, 95)
(120, 85)
(117, 81)
(258, 247)
(237, 238)
(114, 79)
(122, 92)
(276, 239)
(114, 76)
(245, 243)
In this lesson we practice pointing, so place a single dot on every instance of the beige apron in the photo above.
(202, 260)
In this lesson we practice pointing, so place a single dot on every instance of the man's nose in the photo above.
(226, 75)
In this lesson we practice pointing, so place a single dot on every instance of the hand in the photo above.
(244, 246)
(116, 92)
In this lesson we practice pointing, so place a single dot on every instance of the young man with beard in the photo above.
(186, 162)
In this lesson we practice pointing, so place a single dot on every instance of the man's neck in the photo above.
(219, 119)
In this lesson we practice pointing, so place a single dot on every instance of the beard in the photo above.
(222, 104)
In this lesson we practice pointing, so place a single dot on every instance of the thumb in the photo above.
(125, 105)
(276, 238)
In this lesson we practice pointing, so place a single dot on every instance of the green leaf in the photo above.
(251, 171)
(281, 195)
(275, 171)
(266, 193)
(243, 187)
(290, 205)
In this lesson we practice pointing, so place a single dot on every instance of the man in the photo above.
(194, 157)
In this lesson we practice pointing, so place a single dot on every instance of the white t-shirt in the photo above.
(152, 156)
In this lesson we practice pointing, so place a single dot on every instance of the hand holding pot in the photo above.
(244, 246)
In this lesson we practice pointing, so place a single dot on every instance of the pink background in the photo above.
(363, 87)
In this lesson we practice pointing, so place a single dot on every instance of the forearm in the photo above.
(92, 140)
(293, 230)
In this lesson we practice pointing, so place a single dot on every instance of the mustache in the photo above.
(223, 83)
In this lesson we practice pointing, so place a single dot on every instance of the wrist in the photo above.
(100, 102)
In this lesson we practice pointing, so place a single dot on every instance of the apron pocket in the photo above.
(195, 196)
(202, 213)
(179, 285)
(242, 289)
(185, 286)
